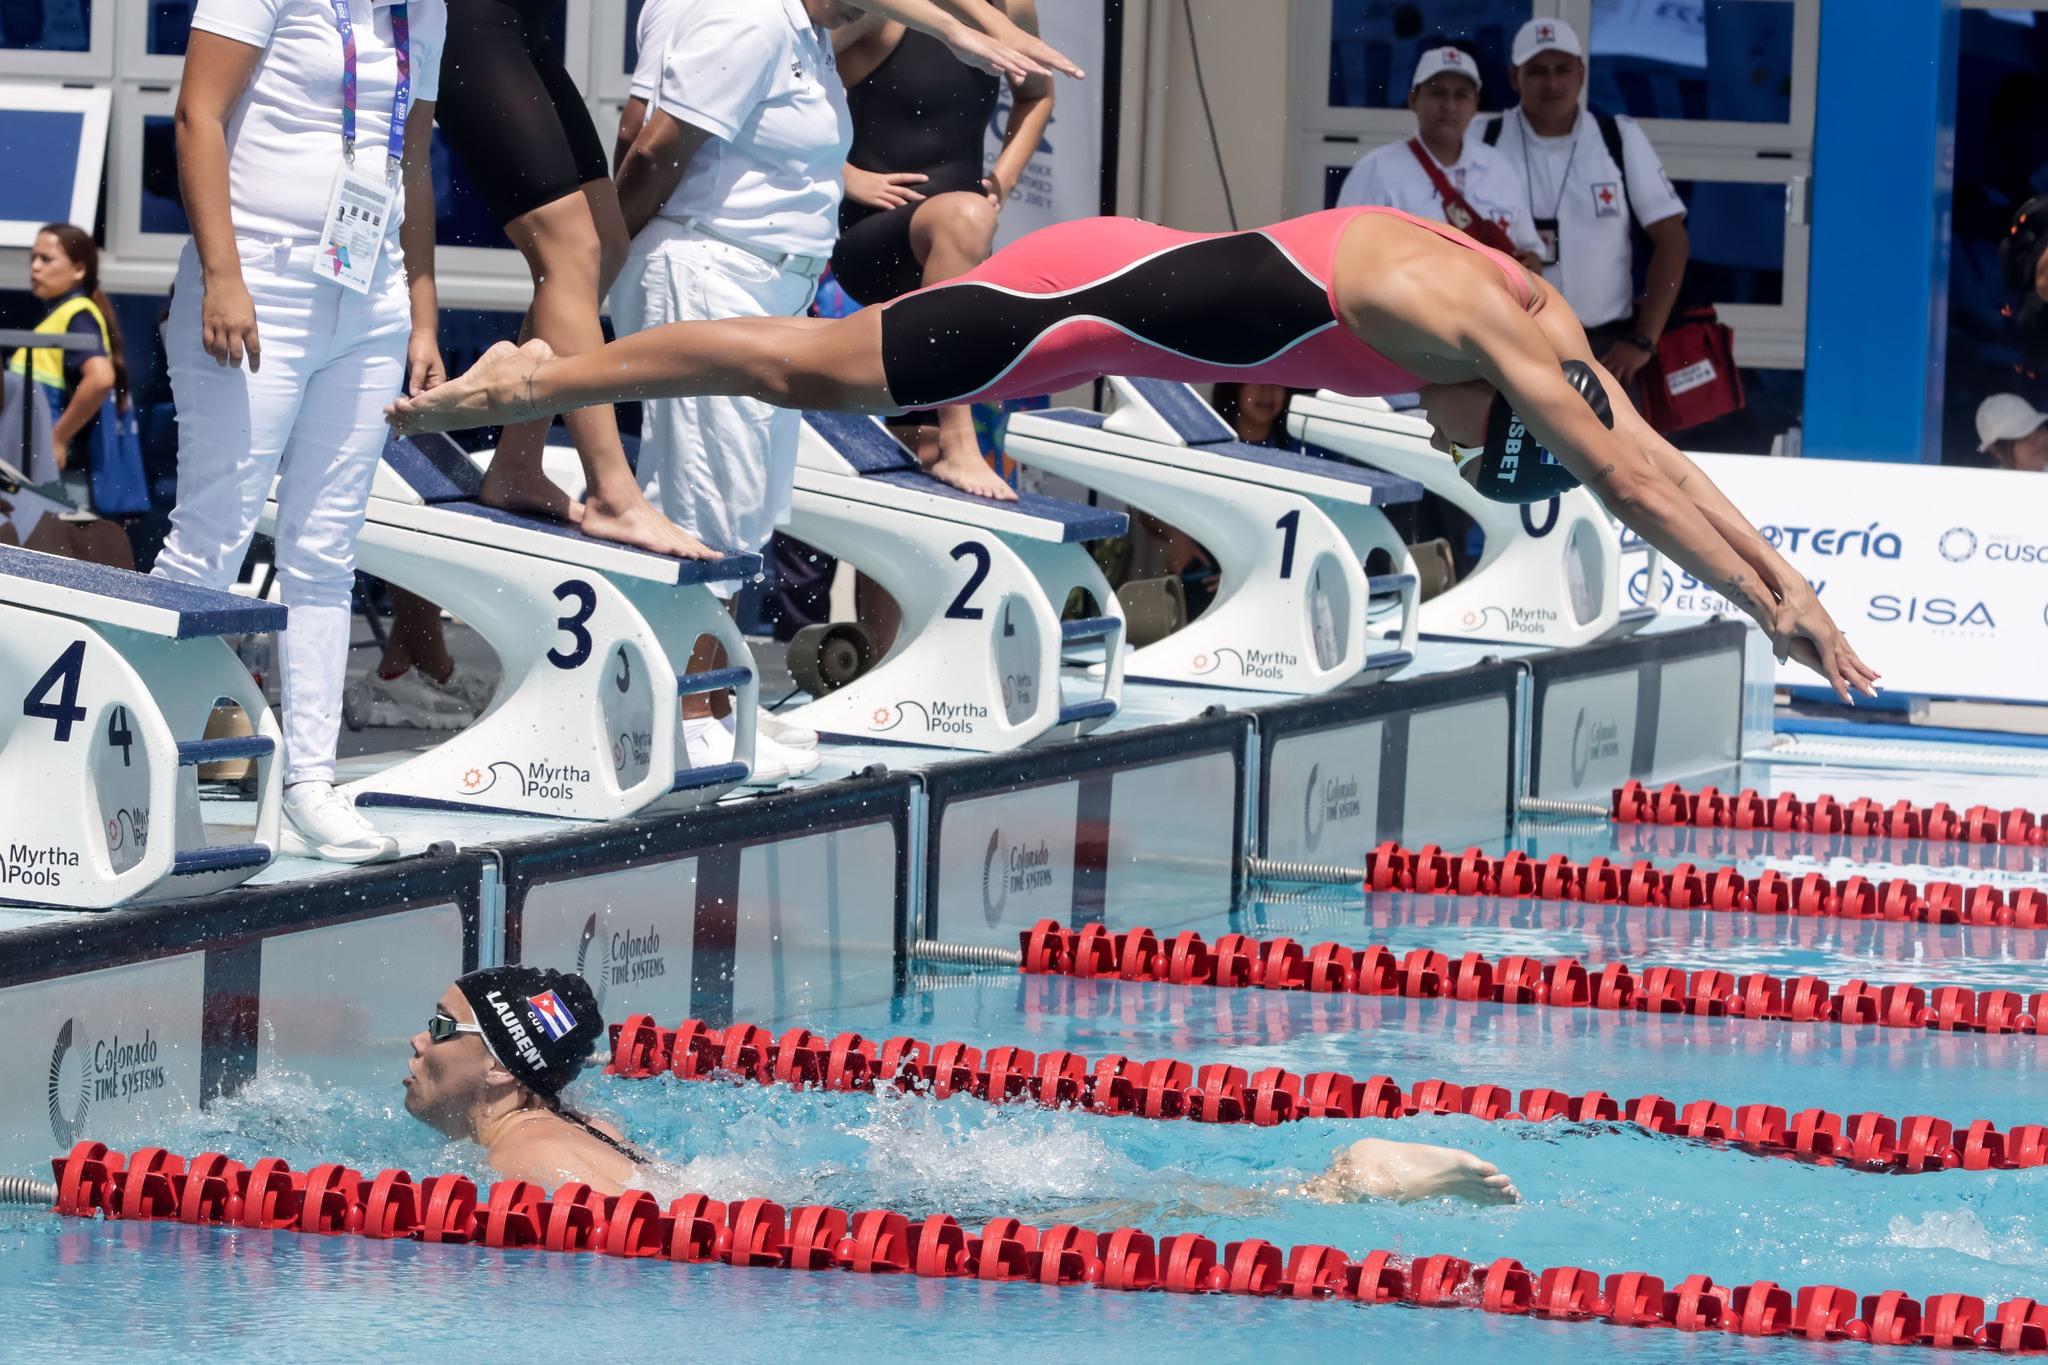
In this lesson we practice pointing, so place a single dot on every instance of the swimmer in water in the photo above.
(490, 1066)
(1362, 301)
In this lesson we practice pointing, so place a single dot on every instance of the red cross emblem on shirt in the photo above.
(1606, 195)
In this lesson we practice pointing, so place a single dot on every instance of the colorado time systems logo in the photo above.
(84, 1072)
(1022, 869)
(1592, 740)
(1324, 802)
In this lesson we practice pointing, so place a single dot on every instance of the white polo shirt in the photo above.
(1575, 181)
(759, 77)
(284, 137)
(1391, 177)
(650, 41)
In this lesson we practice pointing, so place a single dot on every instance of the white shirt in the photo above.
(1575, 181)
(760, 77)
(650, 41)
(1391, 177)
(284, 138)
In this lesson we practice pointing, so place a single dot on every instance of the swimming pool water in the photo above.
(1605, 1197)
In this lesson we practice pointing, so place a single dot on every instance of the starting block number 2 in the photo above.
(63, 678)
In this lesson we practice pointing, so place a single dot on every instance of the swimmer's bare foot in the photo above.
(955, 457)
(634, 521)
(517, 486)
(1374, 1168)
(497, 390)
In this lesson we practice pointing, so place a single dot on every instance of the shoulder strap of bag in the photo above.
(1491, 137)
(1610, 134)
(1457, 212)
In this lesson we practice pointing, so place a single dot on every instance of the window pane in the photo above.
(170, 24)
(46, 25)
(1374, 45)
(163, 208)
(1738, 242)
(1726, 61)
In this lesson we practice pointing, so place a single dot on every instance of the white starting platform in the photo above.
(1552, 573)
(1297, 611)
(585, 723)
(982, 586)
(117, 675)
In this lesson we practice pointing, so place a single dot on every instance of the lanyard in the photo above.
(1557, 201)
(401, 97)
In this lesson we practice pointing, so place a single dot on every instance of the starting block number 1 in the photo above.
(63, 678)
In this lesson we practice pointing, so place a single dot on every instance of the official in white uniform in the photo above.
(626, 303)
(1583, 193)
(732, 193)
(304, 304)
(1445, 98)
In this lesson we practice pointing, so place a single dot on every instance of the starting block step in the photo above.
(1291, 534)
(589, 635)
(117, 675)
(1553, 574)
(982, 586)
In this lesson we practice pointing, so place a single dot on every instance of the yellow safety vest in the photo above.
(49, 360)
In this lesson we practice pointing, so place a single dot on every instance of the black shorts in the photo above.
(510, 110)
(874, 261)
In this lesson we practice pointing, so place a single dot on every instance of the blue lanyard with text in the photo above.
(401, 97)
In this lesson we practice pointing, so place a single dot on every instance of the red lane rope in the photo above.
(1715, 844)
(333, 1200)
(1600, 881)
(1709, 807)
(1166, 1088)
(1281, 964)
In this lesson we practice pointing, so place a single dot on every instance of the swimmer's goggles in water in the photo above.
(444, 1026)
(1512, 466)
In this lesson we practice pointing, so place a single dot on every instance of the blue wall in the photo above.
(1877, 298)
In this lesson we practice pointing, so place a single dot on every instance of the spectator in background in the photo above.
(918, 209)
(64, 272)
(2012, 433)
(1584, 175)
(289, 329)
(1257, 412)
(1438, 173)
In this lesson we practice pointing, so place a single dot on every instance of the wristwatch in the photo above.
(1643, 344)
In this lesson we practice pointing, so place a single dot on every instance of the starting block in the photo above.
(116, 675)
(982, 586)
(1552, 573)
(585, 724)
(1296, 611)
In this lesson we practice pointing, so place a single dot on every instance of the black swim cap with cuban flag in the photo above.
(540, 1024)
(1513, 466)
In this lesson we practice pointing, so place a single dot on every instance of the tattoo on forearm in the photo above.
(1736, 590)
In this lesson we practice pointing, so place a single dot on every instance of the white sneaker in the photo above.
(319, 822)
(788, 735)
(709, 741)
(414, 701)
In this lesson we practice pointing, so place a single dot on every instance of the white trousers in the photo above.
(721, 468)
(312, 417)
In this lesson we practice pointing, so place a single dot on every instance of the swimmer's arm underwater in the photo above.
(1516, 353)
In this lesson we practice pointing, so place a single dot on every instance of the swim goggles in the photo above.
(444, 1026)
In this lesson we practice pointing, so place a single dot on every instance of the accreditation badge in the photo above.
(357, 216)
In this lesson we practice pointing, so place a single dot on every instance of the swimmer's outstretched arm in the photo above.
(1514, 353)
(1374, 1168)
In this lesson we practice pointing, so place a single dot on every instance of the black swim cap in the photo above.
(540, 1024)
(1512, 466)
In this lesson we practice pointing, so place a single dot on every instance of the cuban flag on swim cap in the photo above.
(555, 1019)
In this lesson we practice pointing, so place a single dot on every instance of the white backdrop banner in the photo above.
(1938, 576)
(1064, 179)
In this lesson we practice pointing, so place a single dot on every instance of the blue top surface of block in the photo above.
(1077, 521)
(862, 442)
(734, 567)
(200, 611)
(434, 467)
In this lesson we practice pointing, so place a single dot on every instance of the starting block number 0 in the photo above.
(63, 678)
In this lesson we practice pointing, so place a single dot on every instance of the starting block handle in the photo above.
(713, 680)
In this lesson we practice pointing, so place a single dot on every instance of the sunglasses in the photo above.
(444, 1026)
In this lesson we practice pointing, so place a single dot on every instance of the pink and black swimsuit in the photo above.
(1099, 296)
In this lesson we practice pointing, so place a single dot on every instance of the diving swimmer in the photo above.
(491, 1063)
(1361, 301)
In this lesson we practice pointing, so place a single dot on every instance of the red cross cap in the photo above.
(1545, 33)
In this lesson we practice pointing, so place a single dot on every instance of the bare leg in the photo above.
(574, 246)
(951, 234)
(834, 364)
(417, 639)
(1374, 1168)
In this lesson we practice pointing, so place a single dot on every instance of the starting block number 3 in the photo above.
(576, 625)
(63, 678)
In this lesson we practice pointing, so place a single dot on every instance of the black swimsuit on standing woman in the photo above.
(922, 110)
